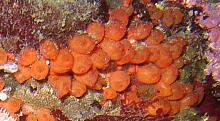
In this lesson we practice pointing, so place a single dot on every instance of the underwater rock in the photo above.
(27, 22)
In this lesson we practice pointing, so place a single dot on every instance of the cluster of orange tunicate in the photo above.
(73, 69)
(13, 105)
(3, 56)
(169, 16)
(42, 114)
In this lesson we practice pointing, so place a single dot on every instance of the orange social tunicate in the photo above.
(141, 55)
(60, 83)
(175, 50)
(27, 109)
(100, 59)
(178, 91)
(115, 30)
(31, 117)
(39, 70)
(3, 56)
(89, 78)
(154, 53)
(27, 56)
(132, 69)
(119, 80)
(139, 31)
(127, 3)
(97, 86)
(129, 10)
(165, 58)
(101, 82)
(145, 1)
(156, 15)
(175, 107)
(180, 62)
(109, 93)
(119, 15)
(176, 47)
(178, 16)
(96, 31)
(129, 53)
(201, 93)
(163, 89)
(2, 84)
(168, 18)
(49, 49)
(44, 114)
(155, 38)
(23, 74)
(10, 56)
(63, 62)
(12, 105)
(169, 74)
(188, 88)
(148, 74)
(159, 107)
(82, 44)
(82, 63)
(151, 9)
(131, 96)
(189, 100)
(78, 89)
(114, 49)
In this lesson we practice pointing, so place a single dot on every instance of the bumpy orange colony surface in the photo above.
(114, 58)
